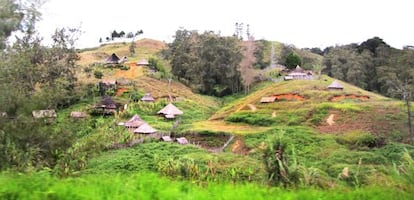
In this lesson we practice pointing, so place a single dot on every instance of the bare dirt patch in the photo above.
(239, 147)
(349, 96)
(289, 97)
(378, 121)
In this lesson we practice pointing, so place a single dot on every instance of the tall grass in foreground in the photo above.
(151, 186)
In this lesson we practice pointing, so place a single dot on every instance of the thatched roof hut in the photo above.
(298, 69)
(147, 98)
(170, 111)
(335, 86)
(134, 122)
(113, 59)
(166, 138)
(143, 62)
(38, 114)
(77, 114)
(182, 140)
(107, 103)
(267, 99)
(145, 129)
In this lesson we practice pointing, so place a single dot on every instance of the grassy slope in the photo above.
(296, 118)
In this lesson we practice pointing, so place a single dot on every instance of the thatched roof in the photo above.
(113, 59)
(166, 138)
(335, 85)
(147, 98)
(145, 128)
(108, 103)
(170, 111)
(143, 62)
(77, 114)
(44, 114)
(134, 122)
(298, 69)
(267, 99)
(109, 82)
(182, 140)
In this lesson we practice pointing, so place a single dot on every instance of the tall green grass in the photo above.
(151, 186)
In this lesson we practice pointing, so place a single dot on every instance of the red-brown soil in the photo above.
(289, 97)
(349, 96)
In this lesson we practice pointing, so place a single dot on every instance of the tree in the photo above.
(247, 72)
(10, 19)
(292, 60)
(400, 82)
(132, 48)
(206, 62)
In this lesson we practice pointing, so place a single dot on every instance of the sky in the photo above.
(302, 23)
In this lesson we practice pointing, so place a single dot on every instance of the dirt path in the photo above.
(330, 120)
(252, 107)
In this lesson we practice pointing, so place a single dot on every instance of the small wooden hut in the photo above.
(39, 114)
(147, 98)
(182, 140)
(108, 105)
(335, 86)
(268, 99)
(145, 129)
(113, 59)
(78, 115)
(134, 122)
(170, 111)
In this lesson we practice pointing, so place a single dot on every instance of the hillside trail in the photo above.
(252, 107)
(330, 120)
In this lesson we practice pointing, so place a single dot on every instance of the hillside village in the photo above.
(199, 118)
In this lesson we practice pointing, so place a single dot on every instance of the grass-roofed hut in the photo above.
(134, 122)
(147, 98)
(113, 59)
(170, 111)
(335, 86)
(107, 106)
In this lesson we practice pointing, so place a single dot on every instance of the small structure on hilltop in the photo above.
(335, 86)
(47, 115)
(123, 59)
(134, 122)
(166, 138)
(170, 111)
(143, 62)
(299, 74)
(78, 114)
(145, 129)
(267, 99)
(147, 98)
(107, 106)
(182, 140)
(113, 59)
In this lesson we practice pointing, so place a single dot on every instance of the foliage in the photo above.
(358, 139)
(97, 74)
(292, 60)
(251, 118)
(152, 186)
(206, 61)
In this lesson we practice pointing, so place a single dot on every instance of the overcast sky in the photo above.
(303, 23)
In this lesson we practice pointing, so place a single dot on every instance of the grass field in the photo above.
(151, 186)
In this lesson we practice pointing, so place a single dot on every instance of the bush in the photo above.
(356, 140)
(98, 74)
(251, 118)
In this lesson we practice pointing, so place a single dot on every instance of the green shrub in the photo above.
(358, 139)
(251, 118)
(97, 74)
